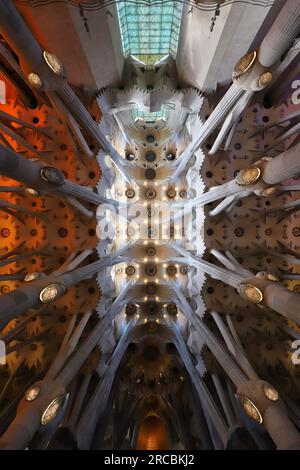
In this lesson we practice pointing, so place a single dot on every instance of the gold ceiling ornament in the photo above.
(31, 192)
(150, 194)
(264, 79)
(51, 293)
(130, 270)
(130, 193)
(171, 270)
(35, 80)
(51, 411)
(269, 191)
(251, 410)
(54, 63)
(249, 175)
(244, 64)
(32, 393)
(172, 309)
(250, 292)
(52, 175)
(171, 193)
(266, 276)
(270, 392)
(250, 74)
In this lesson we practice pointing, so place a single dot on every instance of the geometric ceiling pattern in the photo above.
(149, 240)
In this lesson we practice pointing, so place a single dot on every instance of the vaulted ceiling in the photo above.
(149, 225)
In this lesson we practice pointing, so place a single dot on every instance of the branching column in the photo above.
(258, 398)
(98, 402)
(32, 295)
(45, 179)
(49, 76)
(259, 178)
(281, 34)
(42, 394)
(215, 118)
(257, 290)
(285, 166)
(204, 395)
(251, 73)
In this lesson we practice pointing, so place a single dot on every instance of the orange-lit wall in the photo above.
(152, 435)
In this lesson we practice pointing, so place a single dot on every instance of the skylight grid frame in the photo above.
(151, 30)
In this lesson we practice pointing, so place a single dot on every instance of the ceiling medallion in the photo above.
(51, 411)
(130, 193)
(264, 79)
(51, 293)
(250, 292)
(150, 156)
(151, 307)
(32, 393)
(151, 251)
(269, 191)
(251, 410)
(150, 194)
(150, 269)
(54, 63)
(171, 193)
(248, 175)
(130, 270)
(171, 270)
(183, 269)
(270, 392)
(35, 80)
(150, 174)
(52, 175)
(244, 64)
(266, 276)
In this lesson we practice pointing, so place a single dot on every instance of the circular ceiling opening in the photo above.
(150, 156)
(150, 174)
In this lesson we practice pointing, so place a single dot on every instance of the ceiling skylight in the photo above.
(151, 31)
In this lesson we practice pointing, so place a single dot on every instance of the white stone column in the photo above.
(98, 402)
(29, 413)
(284, 166)
(281, 34)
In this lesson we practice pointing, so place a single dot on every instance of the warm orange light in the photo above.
(152, 434)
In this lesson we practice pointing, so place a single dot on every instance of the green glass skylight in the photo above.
(150, 117)
(150, 31)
